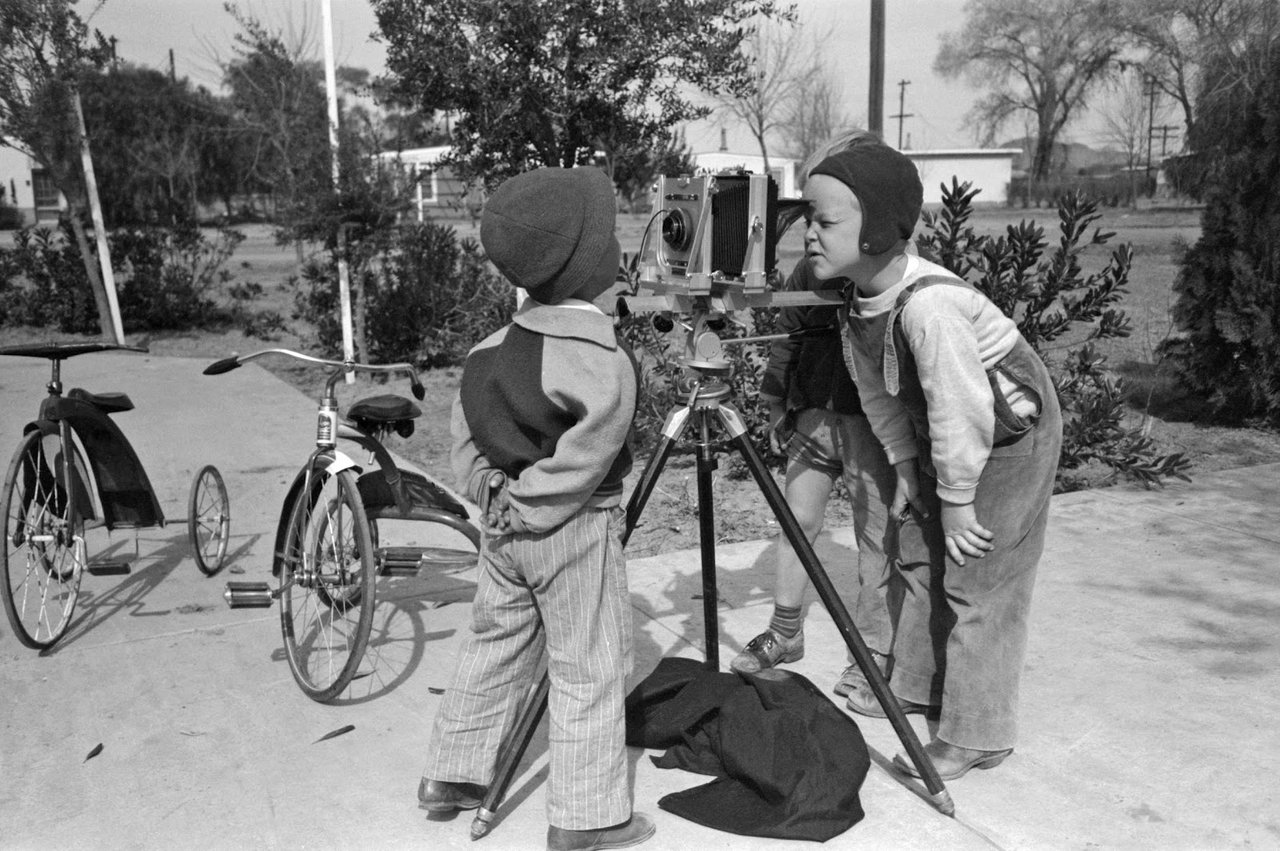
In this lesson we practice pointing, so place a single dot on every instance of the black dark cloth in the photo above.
(788, 763)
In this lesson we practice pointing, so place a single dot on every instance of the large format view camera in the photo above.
(715, 228)
(710, 250)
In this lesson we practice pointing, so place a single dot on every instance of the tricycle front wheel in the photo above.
(328, 573)
(209, 519)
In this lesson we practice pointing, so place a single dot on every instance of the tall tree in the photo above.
(279, 104)
(550, 82)
(1177, 37)
(45, 47)
(1041, 58)
(815, 115)
(781, 70)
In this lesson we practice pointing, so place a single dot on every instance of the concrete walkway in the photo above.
(1148, 713)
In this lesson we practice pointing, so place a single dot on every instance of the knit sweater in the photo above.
(955, 334)
(548, 400)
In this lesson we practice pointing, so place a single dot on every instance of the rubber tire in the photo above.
(18, 564)
(208, 481)
(325, 642)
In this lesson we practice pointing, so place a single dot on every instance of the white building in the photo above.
(28, 187)
(989, 170)
(782, 169)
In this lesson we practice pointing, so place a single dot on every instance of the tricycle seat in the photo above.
(108, 403)
(387, 413)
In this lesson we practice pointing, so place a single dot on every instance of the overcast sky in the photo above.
(199, 33)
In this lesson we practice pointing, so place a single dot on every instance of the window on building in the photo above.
(46, 193)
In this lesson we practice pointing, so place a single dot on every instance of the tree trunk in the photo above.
(105, 325)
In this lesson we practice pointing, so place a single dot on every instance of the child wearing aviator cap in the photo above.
(969, 418)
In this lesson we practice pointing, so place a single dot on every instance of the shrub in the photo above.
(428, 297)
(1228, 287)
(44, 282)
(1058, 307)
(165, 278)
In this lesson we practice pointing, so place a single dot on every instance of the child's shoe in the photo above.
(853, 679)
(631, 832)
(766, 650)
(441, 796)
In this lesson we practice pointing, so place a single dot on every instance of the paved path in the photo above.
(1148, 714)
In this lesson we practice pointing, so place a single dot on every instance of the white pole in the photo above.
(344, 275)
(95, 209)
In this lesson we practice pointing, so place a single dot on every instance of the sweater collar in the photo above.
(570, 322)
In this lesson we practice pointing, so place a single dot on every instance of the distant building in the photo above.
(989, 170)
(437, 189)
(782, 168)
(27, 187)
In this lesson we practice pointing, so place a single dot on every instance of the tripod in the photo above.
(707, 402)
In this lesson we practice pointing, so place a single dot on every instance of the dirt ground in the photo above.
(670, 519)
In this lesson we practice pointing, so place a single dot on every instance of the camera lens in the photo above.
(677, 229)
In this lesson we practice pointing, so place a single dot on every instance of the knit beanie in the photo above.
(550, 230)
(887, 186)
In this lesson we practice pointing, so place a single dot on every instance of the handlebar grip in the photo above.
(221, 366)
(419, 392)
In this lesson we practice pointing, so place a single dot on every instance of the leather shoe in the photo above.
(951, 761)
(862, 700)
(442, 796)
(631, 832)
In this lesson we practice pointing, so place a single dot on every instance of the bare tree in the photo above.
(1176, 37)
(815, 114)
(1126, 124)
(781, 71)
(1039, 57)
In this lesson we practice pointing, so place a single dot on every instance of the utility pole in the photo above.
(1164, 137)
(902, 95)
(173, 73)
(875, 86)
(1151, 122)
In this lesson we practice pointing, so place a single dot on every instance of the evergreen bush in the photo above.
(1228, 287)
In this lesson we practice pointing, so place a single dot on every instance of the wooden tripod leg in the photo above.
(737, 430)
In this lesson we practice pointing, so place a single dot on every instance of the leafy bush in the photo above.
(1056, 307)
(165, 278)
(43, 282)
(427, 297)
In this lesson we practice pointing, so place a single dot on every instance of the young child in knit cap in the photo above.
(969, 418)
(540, 430)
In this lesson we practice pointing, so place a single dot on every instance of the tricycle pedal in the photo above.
(109, 568)
(399, 561)
(248, 595)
